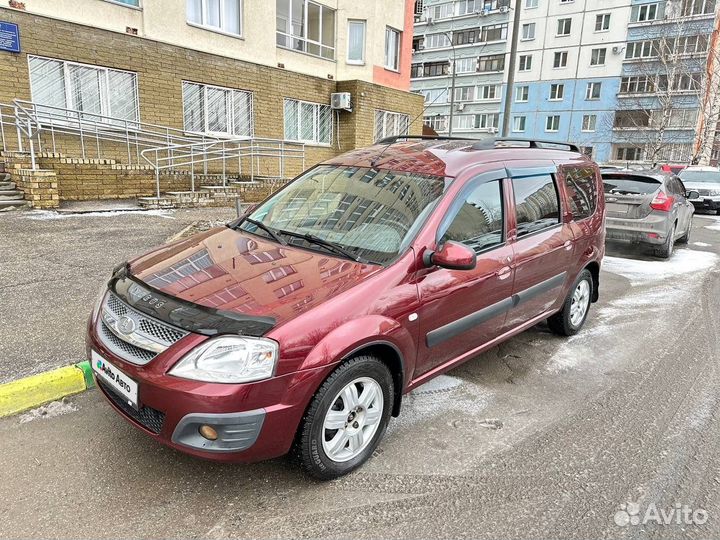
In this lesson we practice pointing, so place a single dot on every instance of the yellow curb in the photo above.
(23, 394)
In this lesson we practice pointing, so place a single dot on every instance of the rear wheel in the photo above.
(346, 419)
(665, 251)
(571, 318)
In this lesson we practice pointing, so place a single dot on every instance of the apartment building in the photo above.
(627, 80)
(225, 68)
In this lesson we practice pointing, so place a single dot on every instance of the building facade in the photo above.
(221, 68)
(592, 73)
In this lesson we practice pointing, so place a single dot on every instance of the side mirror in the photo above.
(693, 194)
(451, 255)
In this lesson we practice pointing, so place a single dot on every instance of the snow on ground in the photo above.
(44, 215)
(713, 227)
(701, 244)
(52, 409)
(639, 272)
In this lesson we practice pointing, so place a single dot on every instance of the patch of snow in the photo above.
(45, 215)
(713, 227)
(683, 261)
(51, 410)
(701, 244)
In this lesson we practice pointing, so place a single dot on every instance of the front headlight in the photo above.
(229, 359)
(714, 192)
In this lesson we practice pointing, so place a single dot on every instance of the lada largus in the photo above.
(298, 327)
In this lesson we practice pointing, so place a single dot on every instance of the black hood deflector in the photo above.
(186, 315)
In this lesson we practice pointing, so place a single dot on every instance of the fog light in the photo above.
(208, 432)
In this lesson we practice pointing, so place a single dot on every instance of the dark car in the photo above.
(649, 208)
(301, 325)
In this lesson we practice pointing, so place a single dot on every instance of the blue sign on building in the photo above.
(9, 37)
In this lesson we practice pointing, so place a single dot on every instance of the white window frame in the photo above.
(484, 92)
(551, 119)
(398, 120)
(469, 63)
(525, 63)
(363, 24)
(604, 20)
(204, 17)
(589, 91)
(105, 110)
(559, 92)
(565, 26)
(231, 111)
(315, 141)
(394, 63)
(528, 31)
(525, 90)
(519, 124)
(589, 123)
(531, 4)
(601, 51)
(564, 56)
(646, 8)
(303, 39)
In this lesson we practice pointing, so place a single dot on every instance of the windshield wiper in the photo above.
(267, 229)
(325, 243)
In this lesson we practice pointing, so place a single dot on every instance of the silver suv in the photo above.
(706, 181)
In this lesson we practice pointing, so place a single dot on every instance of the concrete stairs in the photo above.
(11, 198)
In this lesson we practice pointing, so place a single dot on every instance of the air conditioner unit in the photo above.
(504, 9)
(493, 130)
(341, 101)
(617, 49)
(482, 13)
(429, 19)
(461, 107)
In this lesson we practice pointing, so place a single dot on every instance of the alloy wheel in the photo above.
(580, 303)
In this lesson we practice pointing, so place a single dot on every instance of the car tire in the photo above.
(325, 452)
(685, 238)
(665, 251)
(568, 321)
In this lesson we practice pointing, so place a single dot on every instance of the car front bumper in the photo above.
(706, 203)
(253, 421)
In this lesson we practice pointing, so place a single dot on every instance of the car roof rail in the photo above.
(396, 138)
(531, 143)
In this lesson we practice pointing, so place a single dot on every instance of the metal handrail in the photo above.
(161, 147)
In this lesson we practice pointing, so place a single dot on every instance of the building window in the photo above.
(223, 15)
(490, 63)
(465, 65)
(429, 69)
(212, 109)
(525, 62)
(552, 123)
(390, 124)
(522, 94)
(593, 90)
(628, 153)
(528, 31)
(134, 3)
(97, 92)
(640, 49)
(436, 41)
(437, 122)
(356, 42)
(463, 121)
(589, 122)
(432, 95)
(275, 274)
(305, 26)
(282, 292)
(392, 49)
(441, 11)
(564, 26)
(530, 4)
(488, 121)
(602, 22)
(519, 124)
(560, 59)
(494, 32)
(418, 7)
(489, 92)
(308, 122)
(557, 92)
(597, 57)
(465, 93)
(697, 7)
(645, 13)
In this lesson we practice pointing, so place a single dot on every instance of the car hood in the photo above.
(238, 273)
(697, 186)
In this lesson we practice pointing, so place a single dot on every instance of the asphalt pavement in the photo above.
(541, 437)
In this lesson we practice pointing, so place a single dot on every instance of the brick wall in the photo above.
(161, 68)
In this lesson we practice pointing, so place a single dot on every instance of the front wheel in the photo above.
(570, 319)
(346, 419)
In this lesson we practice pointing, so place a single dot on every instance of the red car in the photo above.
(301, 325)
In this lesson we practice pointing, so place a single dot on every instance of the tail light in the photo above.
(662, 202)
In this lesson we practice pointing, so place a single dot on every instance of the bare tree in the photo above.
(674, 89)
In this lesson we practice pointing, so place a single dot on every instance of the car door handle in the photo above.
(504, 273)
(567, 245)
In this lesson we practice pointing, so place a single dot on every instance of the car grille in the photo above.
(151, 419)
(146, 338)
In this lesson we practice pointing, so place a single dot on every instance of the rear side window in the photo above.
(629, 185)
(582, 191)
(479, 222)
(536, 203)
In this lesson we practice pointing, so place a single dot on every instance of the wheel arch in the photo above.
(594, 268)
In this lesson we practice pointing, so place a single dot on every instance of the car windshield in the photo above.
(710, 177)
(629, 185)
(361, 213)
